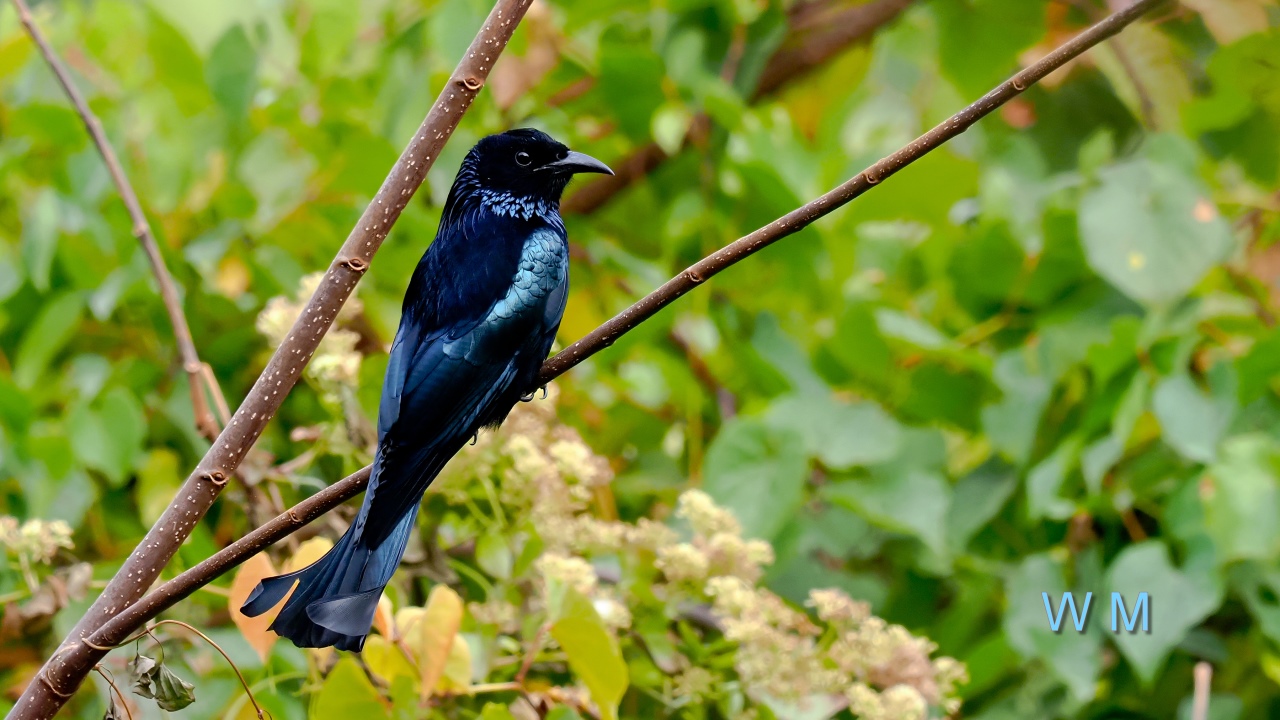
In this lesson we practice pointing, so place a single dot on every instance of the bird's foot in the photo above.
(529, 396)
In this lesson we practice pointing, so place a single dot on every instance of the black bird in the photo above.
(478, 319)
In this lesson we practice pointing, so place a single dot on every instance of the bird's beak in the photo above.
(576, 162)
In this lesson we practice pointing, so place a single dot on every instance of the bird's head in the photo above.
(525, 165)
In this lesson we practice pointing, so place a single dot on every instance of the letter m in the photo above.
(1077, 619)
(1141, 609)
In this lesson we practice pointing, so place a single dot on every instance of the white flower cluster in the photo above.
(543, 476)
(34, 541)
(717, 548)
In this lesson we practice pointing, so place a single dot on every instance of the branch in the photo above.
(171, 592)
(191, 364)
(66, 670)
(802, 217)
(819, 30)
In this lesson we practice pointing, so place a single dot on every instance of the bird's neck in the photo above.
(469, 194)
(506, 204)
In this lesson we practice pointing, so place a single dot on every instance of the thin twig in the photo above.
(256, 707)
(191, 363)
(111, 681)
(66, 670)
(798, 219)
(1203, 675)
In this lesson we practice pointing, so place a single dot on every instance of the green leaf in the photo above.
(40, 238)
(1193, 421)
(158, 481)
(494, 711)
(907, 500)
(109, 437)
(181, 70)
(842, 435)
(758, 473)
(276, 171)
(232, 71)
(1241, 500)
(976, 499)
(593, 652)
(670, 123)
(1012, 423)
(1045, 481)
(631, 82)
(980, 40)
(1072, 656)
(346, 694)
(1222, 706)
(1151, 230)
(1179, 601)
(53, 327)
(493, 555)
(332, 30)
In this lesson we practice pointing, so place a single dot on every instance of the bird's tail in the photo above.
(337, 595)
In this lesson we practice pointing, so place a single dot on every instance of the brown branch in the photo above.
(818, 31)
(66, 670)
(205, 421)
(83, 655)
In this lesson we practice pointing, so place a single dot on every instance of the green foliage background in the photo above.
(1041, 358)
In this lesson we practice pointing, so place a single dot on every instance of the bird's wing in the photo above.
(437, 397)
(446, 380)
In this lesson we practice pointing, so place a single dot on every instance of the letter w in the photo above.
(1055, 621)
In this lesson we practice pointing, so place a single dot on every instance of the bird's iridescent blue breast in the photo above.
(541, 273)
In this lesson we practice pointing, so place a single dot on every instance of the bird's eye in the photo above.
(522, 158)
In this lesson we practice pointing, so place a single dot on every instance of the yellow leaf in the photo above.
(254, 629)
(307, 553)
(432, 636)
(232, 279)
(1230, 20)
(406, 620)
(386, 660)
(383, 618)
(457, 669)
(581, 314)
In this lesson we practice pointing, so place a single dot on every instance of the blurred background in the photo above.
(1041, 358)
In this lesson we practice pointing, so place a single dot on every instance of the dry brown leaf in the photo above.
(384, 619)
(254, 629)
(515, 73)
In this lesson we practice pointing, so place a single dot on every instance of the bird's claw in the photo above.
(528, 397)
